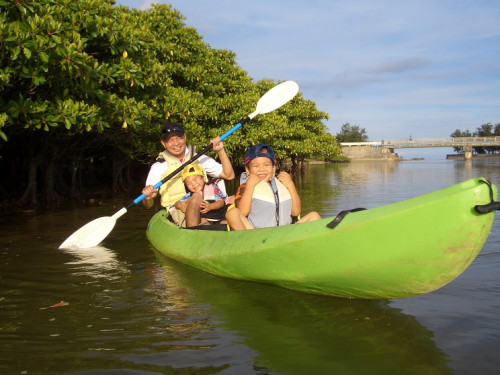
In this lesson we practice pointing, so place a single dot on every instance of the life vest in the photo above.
(212, 193)
(173, 190)
(271, 205)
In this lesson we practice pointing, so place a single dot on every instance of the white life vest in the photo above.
(271, 205)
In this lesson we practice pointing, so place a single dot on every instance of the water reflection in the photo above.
(330, 188)
(296, 333)
(96, 262)
(487, 168)
(129, 312)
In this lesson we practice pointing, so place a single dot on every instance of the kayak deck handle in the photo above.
(489, 207)
(332, 224)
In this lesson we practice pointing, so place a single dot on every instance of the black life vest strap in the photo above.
(332, 224)
(274, 188)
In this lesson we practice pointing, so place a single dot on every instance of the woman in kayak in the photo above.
(265, 200)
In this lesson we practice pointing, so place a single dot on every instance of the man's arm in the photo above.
(227, 169)
(150, 194)
(154, 176)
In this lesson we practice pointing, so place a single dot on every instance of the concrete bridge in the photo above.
(385, 149)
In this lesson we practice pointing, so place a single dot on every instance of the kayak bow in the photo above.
(398, 250)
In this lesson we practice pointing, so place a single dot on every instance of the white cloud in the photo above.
(401, 66)
(146, 4)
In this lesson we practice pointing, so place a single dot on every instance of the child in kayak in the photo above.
(176, 151)
(211, 207)
(265, 200)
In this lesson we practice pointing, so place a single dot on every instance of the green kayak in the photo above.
(399, 250)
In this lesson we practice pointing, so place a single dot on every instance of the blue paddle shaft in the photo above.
(231, 131)
(141, 197)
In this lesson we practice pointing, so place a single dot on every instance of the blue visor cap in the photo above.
(259, 151)
(171, 128)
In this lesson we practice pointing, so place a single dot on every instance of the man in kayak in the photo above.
(173, 139)
(213, 200)
(265, 200)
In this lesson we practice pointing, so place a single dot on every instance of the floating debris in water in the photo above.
(59, 304)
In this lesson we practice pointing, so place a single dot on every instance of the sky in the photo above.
(396, 68)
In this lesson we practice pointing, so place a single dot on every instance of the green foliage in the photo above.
(48, 78)
(460, 133)
(98, 81)
(485, 130)
(352, 133)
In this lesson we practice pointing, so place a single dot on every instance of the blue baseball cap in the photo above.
(258, 151)
(171, 128)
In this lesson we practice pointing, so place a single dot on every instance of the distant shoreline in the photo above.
(448, 157)
(474, 156)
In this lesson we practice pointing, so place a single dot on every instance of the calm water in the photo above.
(128, 310)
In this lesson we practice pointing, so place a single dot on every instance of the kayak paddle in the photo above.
(91, 234)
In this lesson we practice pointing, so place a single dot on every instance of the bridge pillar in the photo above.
(468, 152)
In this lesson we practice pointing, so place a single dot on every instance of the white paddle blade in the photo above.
(91, 234)
(277, 96)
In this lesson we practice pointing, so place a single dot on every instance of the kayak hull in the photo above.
(399, 250)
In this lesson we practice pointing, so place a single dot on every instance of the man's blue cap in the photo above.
(260, 150)
(171, 128)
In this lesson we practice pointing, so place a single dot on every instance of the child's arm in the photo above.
(288, 182)
(245, 202)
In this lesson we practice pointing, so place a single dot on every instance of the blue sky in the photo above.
(397, 68)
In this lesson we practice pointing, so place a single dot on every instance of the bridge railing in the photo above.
(409, 142)
(348, 144)
(465, 140)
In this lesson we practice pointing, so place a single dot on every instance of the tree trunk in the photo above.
(51, 196)
(30, 195)
(119, 166)
(75, 189)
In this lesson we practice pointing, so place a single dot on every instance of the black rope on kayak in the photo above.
(332, 224)
(490, 207)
